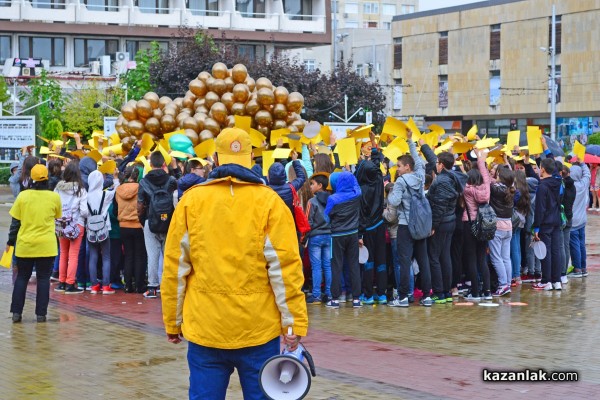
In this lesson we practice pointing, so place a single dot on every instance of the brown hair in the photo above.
(323, 163)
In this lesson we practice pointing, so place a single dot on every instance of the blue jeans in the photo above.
(500, 255)
(578, 254)
(396, 262)
(319, 252)
(103, 247)
(515, 253)
(211, 368)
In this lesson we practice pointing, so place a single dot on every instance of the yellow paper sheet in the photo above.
(395, 149)
(444, 147)
(416, 133)
(325, 134)
(472, 133)
(44, 150)
(43, 139)
(579, 151)
(346, 149)
(437, 129)
(267, 161)
(431, 138)
(295, 145)
(243, 122)
(117, 149)
(361, 132)
(486, 143)
(179, 154)
(281, 153)
(108, 167)
(279, 134)
(206, 148)
(512, 139)
(534, 140)
(165, 154)
(256, 137)
(7, 257)
(95, 155)
(146, 163)
(167, 136)
(115, 139)
(461, 148)
(394, 127)
(393, 173)
(78, 153)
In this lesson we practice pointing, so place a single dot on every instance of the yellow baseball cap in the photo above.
(233, 146)
(39, 173)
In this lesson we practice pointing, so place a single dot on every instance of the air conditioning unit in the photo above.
(95, 67)
(26, 71)
(122, 56)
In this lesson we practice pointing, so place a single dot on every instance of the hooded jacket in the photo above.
(255, 263)
(315, 212)
(94, 195)
(73, 204)
(498, 201)
(568, 199)
(533, 184)
(86, 166)
(443, 195)
(126, 205)
(369, 177)
(547, 204)
(278, 182)
(187, 181)
(581, 177)
(400, 195)
(343, 207)
(154, 179)
(13, 180)
(477, 195)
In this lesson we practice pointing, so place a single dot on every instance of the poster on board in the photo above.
(15, 133)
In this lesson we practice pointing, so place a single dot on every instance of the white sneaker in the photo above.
(556, 286)
(342, 298)
(564, 280)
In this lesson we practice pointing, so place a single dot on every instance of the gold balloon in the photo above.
(264, 130)
(168, 123)
(212, 126)
(200, 121)
(206, 135)
(163, 101)
(229, 83)
(123, 133)
(219, 86)
(219, 70)
(239, 73)
(280, 111)
(251, 83)
(209, 83)
(227, 99)
(218, 112)
(120, 120)
(179, 119)
(188, 102)
(210, 99)
(190, 133)
(263, 83)
(171, 110)
(157, 113)
(230, 122)
(135, 128)
(178, 102)
(152, 125)
(202, 110)
(293, 129)
(129, 112)
(190, 123)
(185, 111)
(265, 97)
(252, 107)
(263, 118)
(152, 98)
(241, 93)
(279, 124)
(238, 109)
(199, 102)
(281, 95)
(295, 102)
(292, 117)
(132, 103)
(127, 143)
(203, 76)
(300, 123)
(144, 109)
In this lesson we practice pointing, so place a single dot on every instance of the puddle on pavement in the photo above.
(145, 363)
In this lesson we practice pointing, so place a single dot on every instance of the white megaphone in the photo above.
(286, 377)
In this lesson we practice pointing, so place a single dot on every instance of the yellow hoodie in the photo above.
(232, 272)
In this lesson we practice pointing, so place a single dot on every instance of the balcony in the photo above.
(166, 13)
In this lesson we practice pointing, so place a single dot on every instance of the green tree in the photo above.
(83, 111)
(41, 89)
(138, 79)
(4, 93)
(594, 139)
(54, 129)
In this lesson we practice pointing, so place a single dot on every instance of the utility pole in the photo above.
(334, 2)
(553, 77)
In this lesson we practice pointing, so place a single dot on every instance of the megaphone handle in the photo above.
(311, 363)
(290, 331)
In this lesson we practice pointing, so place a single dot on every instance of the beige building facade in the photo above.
(489, 63)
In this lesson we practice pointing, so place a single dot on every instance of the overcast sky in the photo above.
(425, 5)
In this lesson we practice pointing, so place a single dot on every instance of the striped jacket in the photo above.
(232, 272)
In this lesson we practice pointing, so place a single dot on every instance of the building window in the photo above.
(351, 24)
(133, 46)
(153, 6)
(310, 65)
(5, 3)
(443, 91)
(351, 8)
(360, 71)
(388, 9)
(5, 48)
(397, 53)
(443, 49)
(386, 25)
(494, 88)
(370, 24)
(558, 34)
(251, 52)
(407, 9)
(251, 8)
(87, 50)
(204, 7)
(298, 9)
(495, 42)
(46, 48)
(53, 4)
(102, 5)
(370, 8)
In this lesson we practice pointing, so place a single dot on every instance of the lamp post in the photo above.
(346, 118)
(104, 105)
(334, 2)
(553, 77)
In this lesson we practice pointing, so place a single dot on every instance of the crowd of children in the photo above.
(381, 231)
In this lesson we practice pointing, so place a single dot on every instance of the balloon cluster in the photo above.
(211, 104)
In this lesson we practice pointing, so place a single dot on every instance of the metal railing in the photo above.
(49, 4)
(206, 13)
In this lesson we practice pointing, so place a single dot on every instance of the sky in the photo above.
(425, 5)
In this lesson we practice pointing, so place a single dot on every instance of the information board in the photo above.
(109, 126)
(15, 133)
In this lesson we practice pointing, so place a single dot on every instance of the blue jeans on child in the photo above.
(396, 262)
(95, 248)
(319, 252)
(210, 369)
(578, 252)
(515, 253)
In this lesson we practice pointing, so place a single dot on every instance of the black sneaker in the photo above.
(16, 317)
(41, 318)
(54, 276)
(129, 289)
(151, 293)
(61, 287)
(72, 289)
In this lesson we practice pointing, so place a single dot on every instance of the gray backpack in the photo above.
(96, 227)
(420, 217)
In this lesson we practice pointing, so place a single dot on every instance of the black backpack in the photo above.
(420, 217)
(484, 226)
(160, 209)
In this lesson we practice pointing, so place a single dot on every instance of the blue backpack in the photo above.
(420, 216)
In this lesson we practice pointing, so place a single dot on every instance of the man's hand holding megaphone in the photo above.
(291, 341)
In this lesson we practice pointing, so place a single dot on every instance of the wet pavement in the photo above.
(113, 347)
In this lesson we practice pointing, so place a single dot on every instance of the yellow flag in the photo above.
(165, 154)
(431, 138)
(108, 167)
(579, 151)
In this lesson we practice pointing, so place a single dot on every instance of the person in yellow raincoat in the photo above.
(232, 275)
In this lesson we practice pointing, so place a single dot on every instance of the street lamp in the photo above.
(552, 53)
(104, 105)
(338, 37)
(345, 120)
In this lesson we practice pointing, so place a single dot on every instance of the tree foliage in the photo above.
(138, 79)
(84, 111)
(594, 139)
(54, 129)
(4, 93)
(41, 89)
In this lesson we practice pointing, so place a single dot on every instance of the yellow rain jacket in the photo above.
(232, 272)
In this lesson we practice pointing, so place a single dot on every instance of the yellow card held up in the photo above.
(44, 150)
(437, 129)
(512, 139)
(472, 133)
(165, 154)
(431, 138)
(267, 161)
(95, 155)
(243, 122)
(397, 148)
(325, 134)
(108, 167)
(346, 149)
(117, 149)
(444, 147)
(167, 136)
(179, 154)
(461, 148)
(394, 127)
(77, 153)
(486, 143)
(279, 134)
(393, 171)
(115, 139)
(416, 133)
(534, 140)
(256, 137)
(7, 257)
(579, 151)
(281, 153)
(206, 148)
(295, 145)
(361, 132)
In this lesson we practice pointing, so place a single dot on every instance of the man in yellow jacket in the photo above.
(232, 275)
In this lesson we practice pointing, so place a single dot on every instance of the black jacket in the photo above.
(569, 197)
(316, 215)
(443, 195)
(547, 204)
(278, 182)
(153, 180)
(343, 207)
(498, 201)
(369, 177)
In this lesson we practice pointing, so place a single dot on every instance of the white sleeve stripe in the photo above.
(276, 280)
(183, 270)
